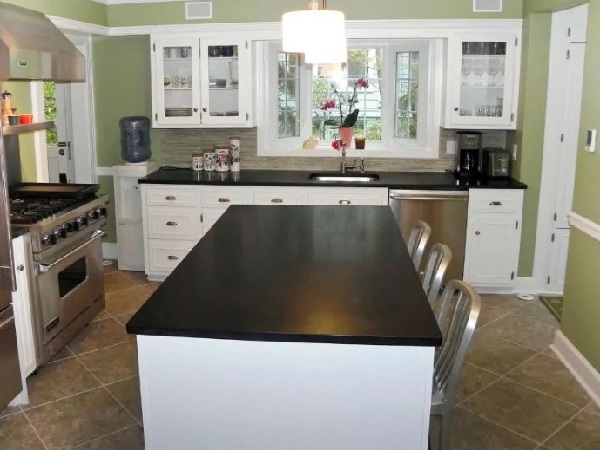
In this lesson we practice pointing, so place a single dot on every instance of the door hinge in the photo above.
(153, 47)
(246, 44)
(548, 280)
(201, 218)
(512, 117)
(516, 224)
(569, 31)
(562, 138)
(516, 41)
(512, 275)
(155, 116)
(555, 217)
(247, 116)
(568, 54)
(553, 237)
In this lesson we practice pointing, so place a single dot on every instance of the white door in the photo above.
(563, 112)
(57, 106)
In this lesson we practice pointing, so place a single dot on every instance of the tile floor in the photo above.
(514, 393)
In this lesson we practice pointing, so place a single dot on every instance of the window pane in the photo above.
(336, 94)
(407, 94)
(50, 110)
(288, 97)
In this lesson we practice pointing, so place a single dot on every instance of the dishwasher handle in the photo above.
(426, 195)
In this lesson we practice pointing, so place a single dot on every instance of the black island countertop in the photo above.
(392, 180)
(295, 274)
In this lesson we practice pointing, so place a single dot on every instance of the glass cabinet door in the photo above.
(223, 84)
(483, 81)
(177, 83)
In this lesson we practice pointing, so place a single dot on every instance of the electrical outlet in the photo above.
(514, 152)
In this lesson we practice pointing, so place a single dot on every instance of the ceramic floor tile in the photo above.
(535, 309)
(98, 335)
(124, 318)
(62, 354)
(17, 433)
(117, 281)
(550, 352)
(10, 410)
(496, 355)
(112, 267)
(520, 409)
(113, 363)
(126, 300)
(131, 438)
(549, 375)
(496, 306)
(593, 408)
(526, 331)
(472, 380)
(139, 277)
(101, 315)
(128, 393)
(471, 432)
(58, 380)
(583, 432)
(80, 418)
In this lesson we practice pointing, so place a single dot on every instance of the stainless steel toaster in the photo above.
(495, 162)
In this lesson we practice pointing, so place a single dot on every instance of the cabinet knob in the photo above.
(172, 258)
(495, 203)
(170, 197)
(224, 200)
(20, 267)
(195, 109)
(456, 108)
(204, 109)
(276, 200)
(345, 202)
(477, 233)
(171, 224)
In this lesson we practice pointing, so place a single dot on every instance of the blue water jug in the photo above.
(135, 139)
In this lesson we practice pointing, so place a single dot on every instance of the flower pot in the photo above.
(346, 135)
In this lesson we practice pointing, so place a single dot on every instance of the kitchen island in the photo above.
(300, 327)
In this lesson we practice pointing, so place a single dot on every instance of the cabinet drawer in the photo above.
(357, 196)
(170, 196)
(224, 197)
(279, 196)
(173, 223)
(165, 255)
(489, 201)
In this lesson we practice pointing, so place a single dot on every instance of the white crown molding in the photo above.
(124, 2)
(81, 27)
(585, 225)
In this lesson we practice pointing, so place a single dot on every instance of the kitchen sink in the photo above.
(354, 177)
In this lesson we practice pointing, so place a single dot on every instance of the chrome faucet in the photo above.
(344, 166)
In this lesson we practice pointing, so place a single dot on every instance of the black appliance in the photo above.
(468, 154)
(495, 162)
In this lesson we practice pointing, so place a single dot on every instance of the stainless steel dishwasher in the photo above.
(444, 211)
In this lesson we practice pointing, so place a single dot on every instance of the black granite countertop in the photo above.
(392, 180)
(295, 274)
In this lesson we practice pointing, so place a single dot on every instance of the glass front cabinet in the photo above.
(482, 84)
(201, 82)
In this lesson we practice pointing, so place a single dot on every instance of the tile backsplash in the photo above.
(179, 144)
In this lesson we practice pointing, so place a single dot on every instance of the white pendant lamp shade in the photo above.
(320, 34)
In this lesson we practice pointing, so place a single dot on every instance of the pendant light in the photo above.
(317, 32)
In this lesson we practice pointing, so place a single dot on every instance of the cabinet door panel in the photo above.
(173, 223)
(210, 217)
(166, 255)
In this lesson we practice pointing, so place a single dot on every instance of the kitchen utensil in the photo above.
(25, 119)
(495, 162)
(13, 120)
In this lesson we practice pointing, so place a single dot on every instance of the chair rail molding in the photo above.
(585, 225)
(585, 374)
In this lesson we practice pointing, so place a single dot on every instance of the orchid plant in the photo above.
(340, 101)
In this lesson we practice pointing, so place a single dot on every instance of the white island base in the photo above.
(212, 394)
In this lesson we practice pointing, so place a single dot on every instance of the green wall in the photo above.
(582, 285)
(271, 11)
(80, 10)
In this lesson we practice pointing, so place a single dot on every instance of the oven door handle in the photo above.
(98, 234)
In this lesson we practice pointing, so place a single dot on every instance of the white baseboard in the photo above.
(110, 250)
(526, 285)
(587, 376)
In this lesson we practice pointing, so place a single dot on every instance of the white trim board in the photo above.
(585, 225)
(77, 26)
(105, 171)
(587, 376)
(110, 250)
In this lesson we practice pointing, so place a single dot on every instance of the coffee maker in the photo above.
(468, 153)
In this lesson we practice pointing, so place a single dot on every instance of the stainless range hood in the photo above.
(33, 48)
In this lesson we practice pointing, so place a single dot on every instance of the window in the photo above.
(50, 110)
(394, 84)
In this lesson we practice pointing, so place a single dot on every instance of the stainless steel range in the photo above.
(68, 281)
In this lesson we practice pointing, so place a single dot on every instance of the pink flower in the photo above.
(336, 144)
(362, 82)
(328, 105)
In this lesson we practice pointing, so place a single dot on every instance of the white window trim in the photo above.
(292, 147)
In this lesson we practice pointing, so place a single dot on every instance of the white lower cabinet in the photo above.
(177, 216)
(493, 239)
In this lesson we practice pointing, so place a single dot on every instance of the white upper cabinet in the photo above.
(482, 83)
(200, 82)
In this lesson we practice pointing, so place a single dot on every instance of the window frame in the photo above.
(428, 136)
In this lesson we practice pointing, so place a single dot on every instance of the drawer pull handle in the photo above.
(172, 258)
(276, 200)
(495, 203)
(345, 202)
(170, 197)
(477, 233)
(224, 200)
(171, 224)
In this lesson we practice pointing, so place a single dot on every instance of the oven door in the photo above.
(69, 285)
